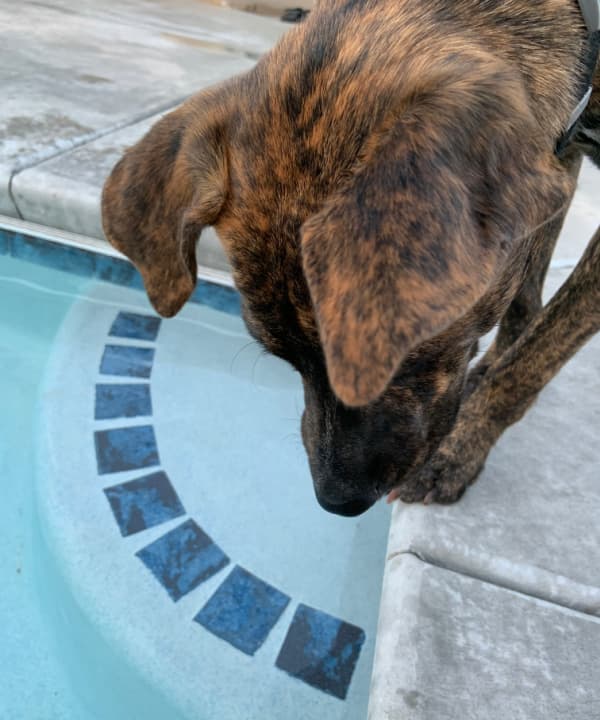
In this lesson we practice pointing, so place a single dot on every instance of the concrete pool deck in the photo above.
(491, 607)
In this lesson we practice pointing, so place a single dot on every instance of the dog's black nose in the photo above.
(350, 508)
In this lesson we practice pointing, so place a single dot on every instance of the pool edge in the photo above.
(93, 258)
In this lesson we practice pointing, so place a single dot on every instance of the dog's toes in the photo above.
(417, 492)
(454, 466)
(445, 495)
(408, 492)
(442, 480)
(430, 497)
(447, 484)
(449, 479)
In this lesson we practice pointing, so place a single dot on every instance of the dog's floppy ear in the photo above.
(161, 194)
(421, 227)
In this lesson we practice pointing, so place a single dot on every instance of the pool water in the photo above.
(163, 555)
(33, 684)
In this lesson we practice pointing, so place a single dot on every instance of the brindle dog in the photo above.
(386, 187)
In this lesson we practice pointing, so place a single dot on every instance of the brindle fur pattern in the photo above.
(385, 186)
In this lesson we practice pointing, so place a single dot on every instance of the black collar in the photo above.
(590, 9)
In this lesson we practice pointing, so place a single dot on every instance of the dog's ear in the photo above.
(422, 226)
(161, 194)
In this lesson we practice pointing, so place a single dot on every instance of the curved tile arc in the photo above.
(318, 649)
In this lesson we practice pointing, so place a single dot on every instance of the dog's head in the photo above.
(370, 189)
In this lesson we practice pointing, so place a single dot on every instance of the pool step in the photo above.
(186, 528)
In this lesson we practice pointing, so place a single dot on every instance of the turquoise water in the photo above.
(33, 684)
(53, 666)
(88, 629)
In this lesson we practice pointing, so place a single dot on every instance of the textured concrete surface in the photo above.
(454, 647)
(582, 220)
(188, 21)
(68, 76)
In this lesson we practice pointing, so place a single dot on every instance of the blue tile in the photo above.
(144, 503)
(134, 325)
(218, 297)
(183, 558)
(136, 282)
(127, 360)
(125, 449)
(60, 257)
(5, 238)
(321, 650)
(115, 270)
(123, 400)
(243, 610)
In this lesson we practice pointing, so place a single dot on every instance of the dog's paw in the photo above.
(439, 481)
(448, 478)
(454, 466)
(410, 491)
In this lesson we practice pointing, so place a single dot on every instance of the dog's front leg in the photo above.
(527, 303)
(512, 384)
(525, 306)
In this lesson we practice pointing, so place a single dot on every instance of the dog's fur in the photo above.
(385, 186)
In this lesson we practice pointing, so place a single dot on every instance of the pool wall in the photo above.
(99, 261)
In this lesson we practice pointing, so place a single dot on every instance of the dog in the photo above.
(387, 188)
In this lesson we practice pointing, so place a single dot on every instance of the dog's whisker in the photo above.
(292, 436)
(239, 352)
(263, 353)
(298, 410)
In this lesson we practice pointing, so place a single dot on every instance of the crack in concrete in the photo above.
(590, 609)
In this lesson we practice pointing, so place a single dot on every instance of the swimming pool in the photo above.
(163, 552)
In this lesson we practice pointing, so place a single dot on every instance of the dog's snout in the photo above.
(343, 488)
(353, 452)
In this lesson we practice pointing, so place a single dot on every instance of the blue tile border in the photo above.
(40, 252)
(90, 264)
(243, 610)
(4, 244)
(122, 400)
(143, 503)
(128, 448)
(118, 272)
(137, 326)
(183, 559)
(321, 650)
(217, 297)
(127, 360)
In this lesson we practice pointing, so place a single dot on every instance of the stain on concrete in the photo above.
(411, 698)
(93, 79)
(208, 45)
(51, 125)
